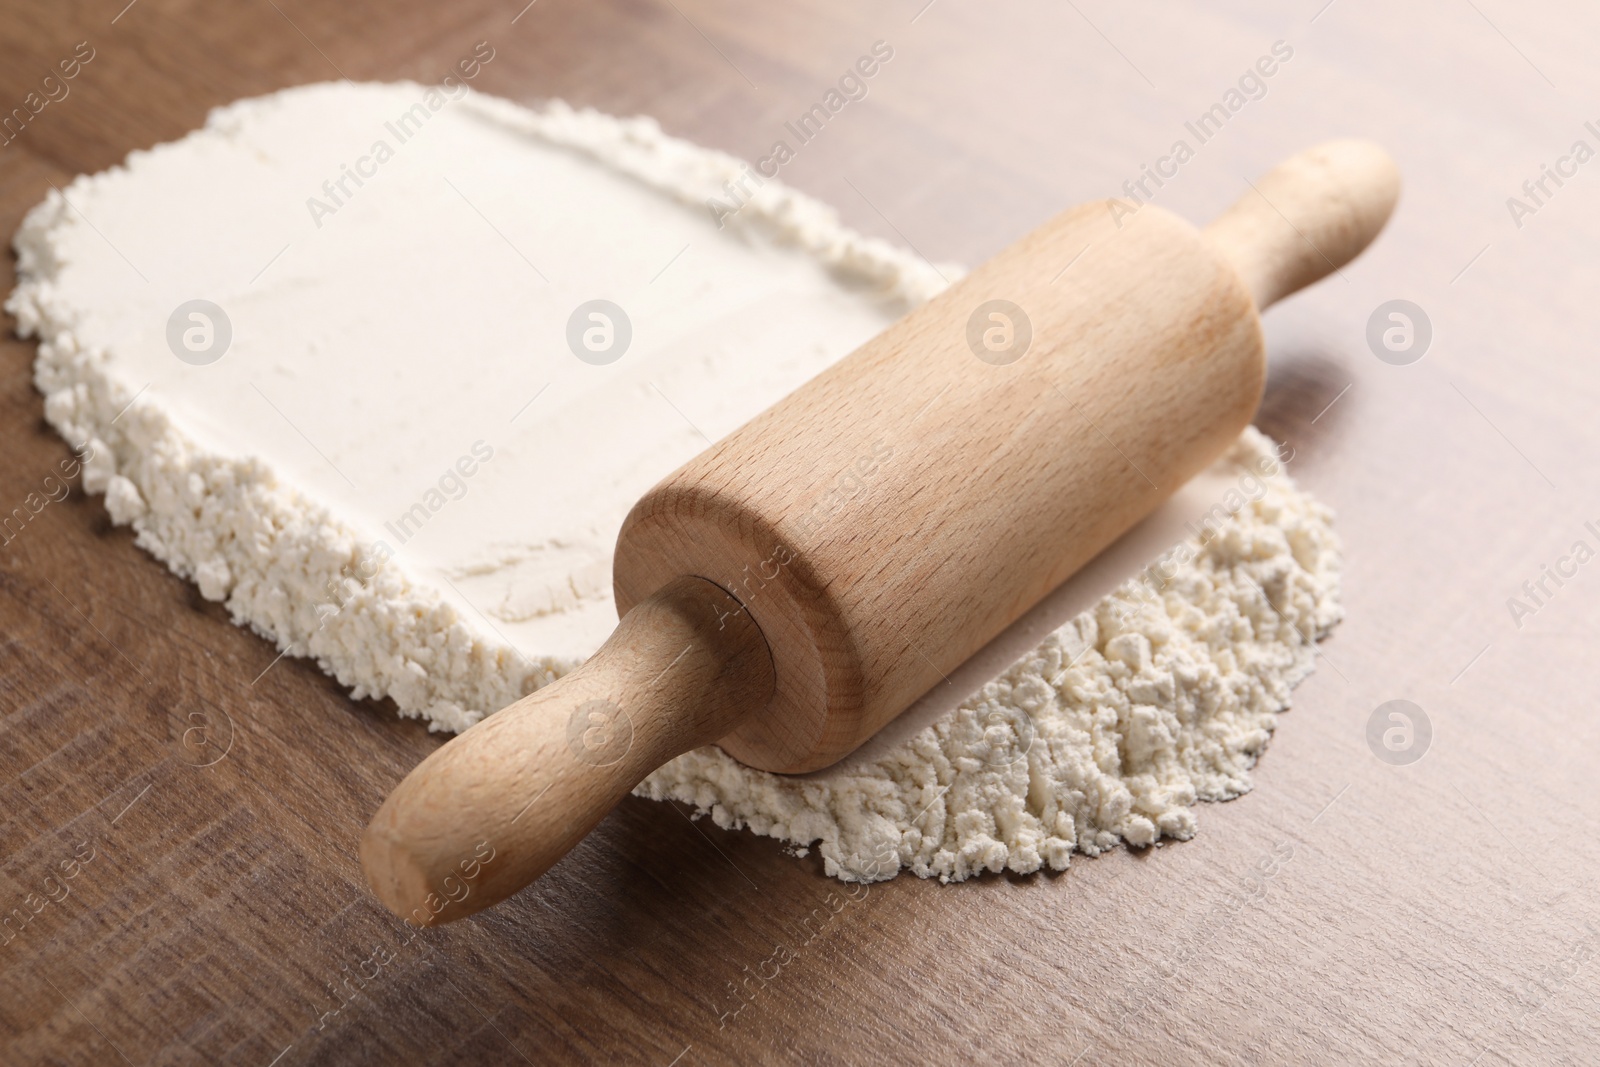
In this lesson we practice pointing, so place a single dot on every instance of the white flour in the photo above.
(420, 329)
(1164, 693)
(399, 468)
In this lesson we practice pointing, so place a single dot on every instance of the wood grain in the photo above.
(1347, 910)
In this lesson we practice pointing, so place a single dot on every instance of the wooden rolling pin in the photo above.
(801, 582)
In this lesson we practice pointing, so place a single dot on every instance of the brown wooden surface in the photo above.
(1441, 912)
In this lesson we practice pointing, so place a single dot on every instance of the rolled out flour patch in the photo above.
(383, 367)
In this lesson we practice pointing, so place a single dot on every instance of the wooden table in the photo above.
(1437, 912)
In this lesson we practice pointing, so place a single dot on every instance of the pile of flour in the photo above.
(397, 464)
(1162, 694)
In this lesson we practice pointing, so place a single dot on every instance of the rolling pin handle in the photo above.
(1309, 216)
(499, 804)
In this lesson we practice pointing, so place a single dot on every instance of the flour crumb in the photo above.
(123, 502)
(214, 578)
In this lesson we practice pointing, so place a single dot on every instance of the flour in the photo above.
(308, 477)
(1164, 693)
(401, 467)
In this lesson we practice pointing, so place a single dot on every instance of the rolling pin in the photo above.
(797, 585)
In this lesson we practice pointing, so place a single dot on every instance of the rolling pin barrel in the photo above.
(793, 588)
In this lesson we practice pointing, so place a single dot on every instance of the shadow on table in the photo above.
(1305, 404)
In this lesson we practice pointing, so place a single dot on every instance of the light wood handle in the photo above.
(1309, 216)
(499, 804)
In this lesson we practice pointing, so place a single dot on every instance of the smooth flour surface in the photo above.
(398, 380)
(378, 446)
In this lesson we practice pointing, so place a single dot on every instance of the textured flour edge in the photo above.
(286, 565)
(1163, 694)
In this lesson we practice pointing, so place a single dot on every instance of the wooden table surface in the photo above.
(1348, 910)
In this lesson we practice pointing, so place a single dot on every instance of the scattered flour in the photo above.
(1163, 694)
(407, 350)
